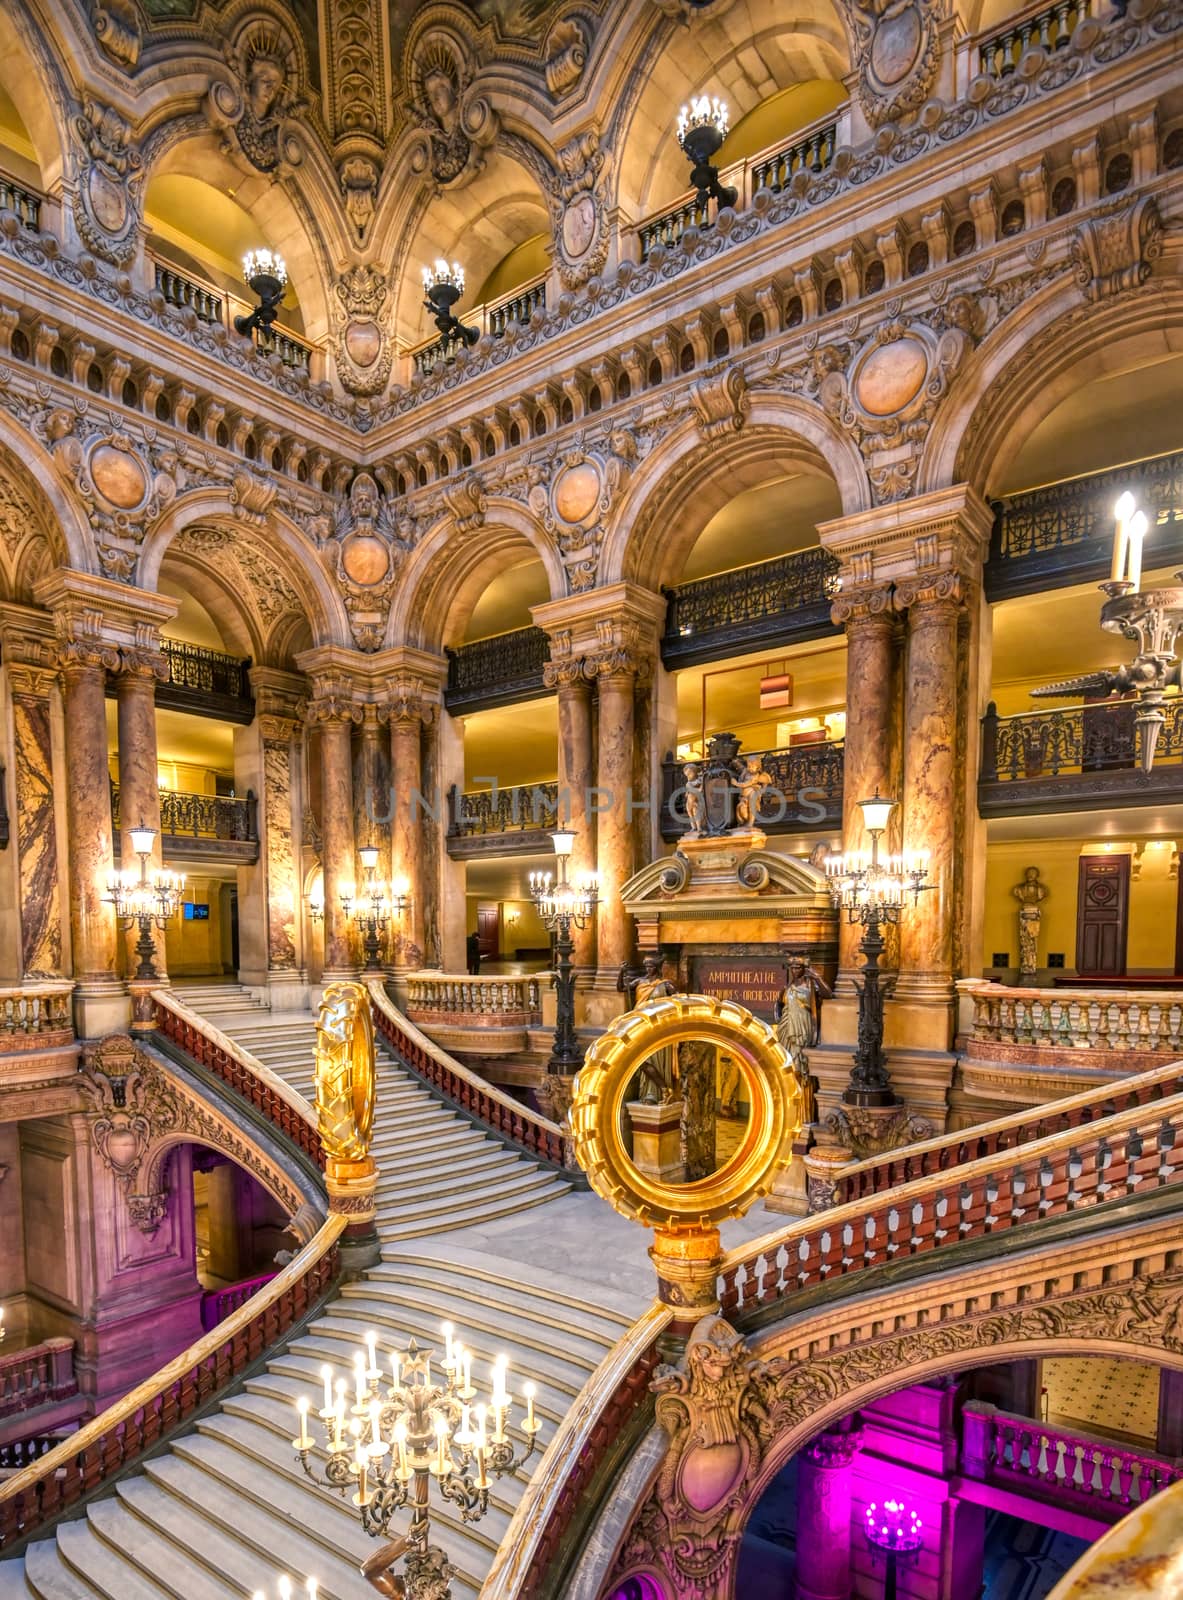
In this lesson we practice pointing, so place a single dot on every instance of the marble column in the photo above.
(614, 823)
(35, 826)
(575, 783)
(871, 749)
(283, 881)
(823, 1515)
(432, 830)
(336, 719)
(371, 799)
(932, 761)
(409, 711)
(139, 792)
(100, 1000)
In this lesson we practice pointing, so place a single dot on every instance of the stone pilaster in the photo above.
(410, 710)
(335, 711)
(140, 670)
(33, 687)
(280, 711)
(824, 1483)
(575, 771)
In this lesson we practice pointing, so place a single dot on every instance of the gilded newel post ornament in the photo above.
(345, 1088)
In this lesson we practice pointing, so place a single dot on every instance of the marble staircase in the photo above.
(226, 1507)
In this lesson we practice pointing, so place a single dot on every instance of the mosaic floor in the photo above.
(1024, 1562)
(1112, 1398)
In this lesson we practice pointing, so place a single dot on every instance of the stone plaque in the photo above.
(753, 981)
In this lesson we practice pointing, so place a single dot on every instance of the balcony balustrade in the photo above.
(510, 821)
(35, 1014)
(206, 682)
(497, 671)
(495, 318)
(36, 1376)
(1049, 28)
(1121, 1022)
(805, 792)
(288, 346)
(1060, 1465)
(474, 1002)
(24, 201)
(1062, 534)
(769, 604)
(1076, 758)
(184, 292)
(218, 1304)
(198, 826)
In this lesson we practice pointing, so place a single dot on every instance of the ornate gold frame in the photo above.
(345, 1083)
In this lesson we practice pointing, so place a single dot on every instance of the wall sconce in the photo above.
(264, 270)
(443, 285)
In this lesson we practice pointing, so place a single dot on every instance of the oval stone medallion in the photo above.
(896, 45)
(366, 559)
(363, 341)
(577, 489)
(107, 200)
(891, 377)
(579, 226)
(119, 476)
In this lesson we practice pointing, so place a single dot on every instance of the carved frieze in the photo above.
(363, 550)
(572, 490)
(109, 177)
(579, 209)
(257, 106)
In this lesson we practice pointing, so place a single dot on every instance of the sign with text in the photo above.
(753, 981)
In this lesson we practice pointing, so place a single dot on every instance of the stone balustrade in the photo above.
(218, 1304)
(36, 1376)
(1120, 1021)
(36, 1014)
(493, 1002)
(1061, 1464)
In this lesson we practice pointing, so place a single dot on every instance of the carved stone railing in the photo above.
(185, 292)
(204, 823)
(668, 226)
(497, 671)
(1113, 1021)
(567, 1483)
(493, 317)
(1062, 1465)
(24, 201)
(36, 1014)
(145, 1418)
(806, 790)
(282, 342)
(287, 1111)
(1136, 1151)
(36, 1376)
(486, 1105)
(516, 309)
(493, 1002)
(948, 1151)
(770, 603)
(811, 152)
(1049, 28)
(524, 807)
(1063, 534)
(206, 682)
(218, 1304)
(1052, 760)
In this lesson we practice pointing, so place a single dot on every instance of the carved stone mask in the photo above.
(441, 97)
(264, 84)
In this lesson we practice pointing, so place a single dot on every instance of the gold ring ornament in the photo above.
(685, 1216)
(345, 1097)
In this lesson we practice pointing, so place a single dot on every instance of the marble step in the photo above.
(14, 1585)
(469, 1282)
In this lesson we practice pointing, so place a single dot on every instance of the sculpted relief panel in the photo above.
(256, 107)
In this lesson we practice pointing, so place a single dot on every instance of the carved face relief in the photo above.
(440, 91)
(263, 86)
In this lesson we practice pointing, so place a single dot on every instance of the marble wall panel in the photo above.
(36, 835)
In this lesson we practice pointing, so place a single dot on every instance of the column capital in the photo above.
(834, 1451)
(29, 645)
(931, 592)
(947, 529)
(281, 698)
(93, 613)
(870, 606)
(140, 664)
(334, 699)
(409, 700)
(609, 632)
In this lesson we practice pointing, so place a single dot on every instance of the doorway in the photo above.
(1102, 916)
(488, 927)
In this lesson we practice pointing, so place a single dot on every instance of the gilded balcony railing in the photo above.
(516, 809)
(1049, 28)
(36, 1376)
(493, 1002)
(1063, 1465)
(1070, 757)
(36, 1013)
(783, 601)
(497, 671)
(231, 818)
(805, 792)
(24, 201)
(1112, 1021)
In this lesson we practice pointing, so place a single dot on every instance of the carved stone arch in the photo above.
(649, 537)
(222, 598)
(1029, 364)
(29, 469)
(36, 75)
(218, 1134)
(450, 567)
(260, 548)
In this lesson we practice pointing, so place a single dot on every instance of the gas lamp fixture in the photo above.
(443, 285)
(702, 127)
(374, 907)
(149, 902)
(387, 1435)
(264, 270)
(1152, 620)
(874, 893)
(564, 907)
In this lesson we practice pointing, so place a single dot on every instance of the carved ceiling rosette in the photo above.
(255, 108)
(362, 344)
(898, 51)
(363, 551)
(456, 124)
(886, 393)
(109, 181)
(579, 209)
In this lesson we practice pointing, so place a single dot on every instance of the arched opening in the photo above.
(18, 156)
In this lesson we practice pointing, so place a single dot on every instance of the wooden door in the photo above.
(1102, 910)
(488, 927)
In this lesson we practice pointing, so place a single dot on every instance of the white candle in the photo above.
(1135, 533)
(482, 1478)
(327, 1374)
(446, 1330)
(480, 1428)
(1122, 511)
(529, 1391)
(396, 1369)
(285, 1588)
(400, 1439)
(313, 1586)
(302, 1407)
(441, 1438)
(468, 1372)
(372, 1347)
(464, 1436)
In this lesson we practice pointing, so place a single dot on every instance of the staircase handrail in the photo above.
(483, 1101)
(99, 1450)
(1052, 1157)
(857, 1179)
(570, 1461)
(264, 1089)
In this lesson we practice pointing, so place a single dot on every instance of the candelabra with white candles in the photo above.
(145, 901)
(400, 1421)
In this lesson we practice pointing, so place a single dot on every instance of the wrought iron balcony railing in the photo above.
(501, 821)
(805, 792)
(771, 603)
(206, 681)
(1076, 758)
(497, 671)
(1062, 534)
(196, 825)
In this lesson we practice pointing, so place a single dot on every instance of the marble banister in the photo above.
(1110, 1158)
(218, 1304)
(35, 1013)
(36, 1375)
(1110, 1020)
(1063, 1464)
(491, 1002)
(558, 1491)
(482, 1101)
(104, 1447)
